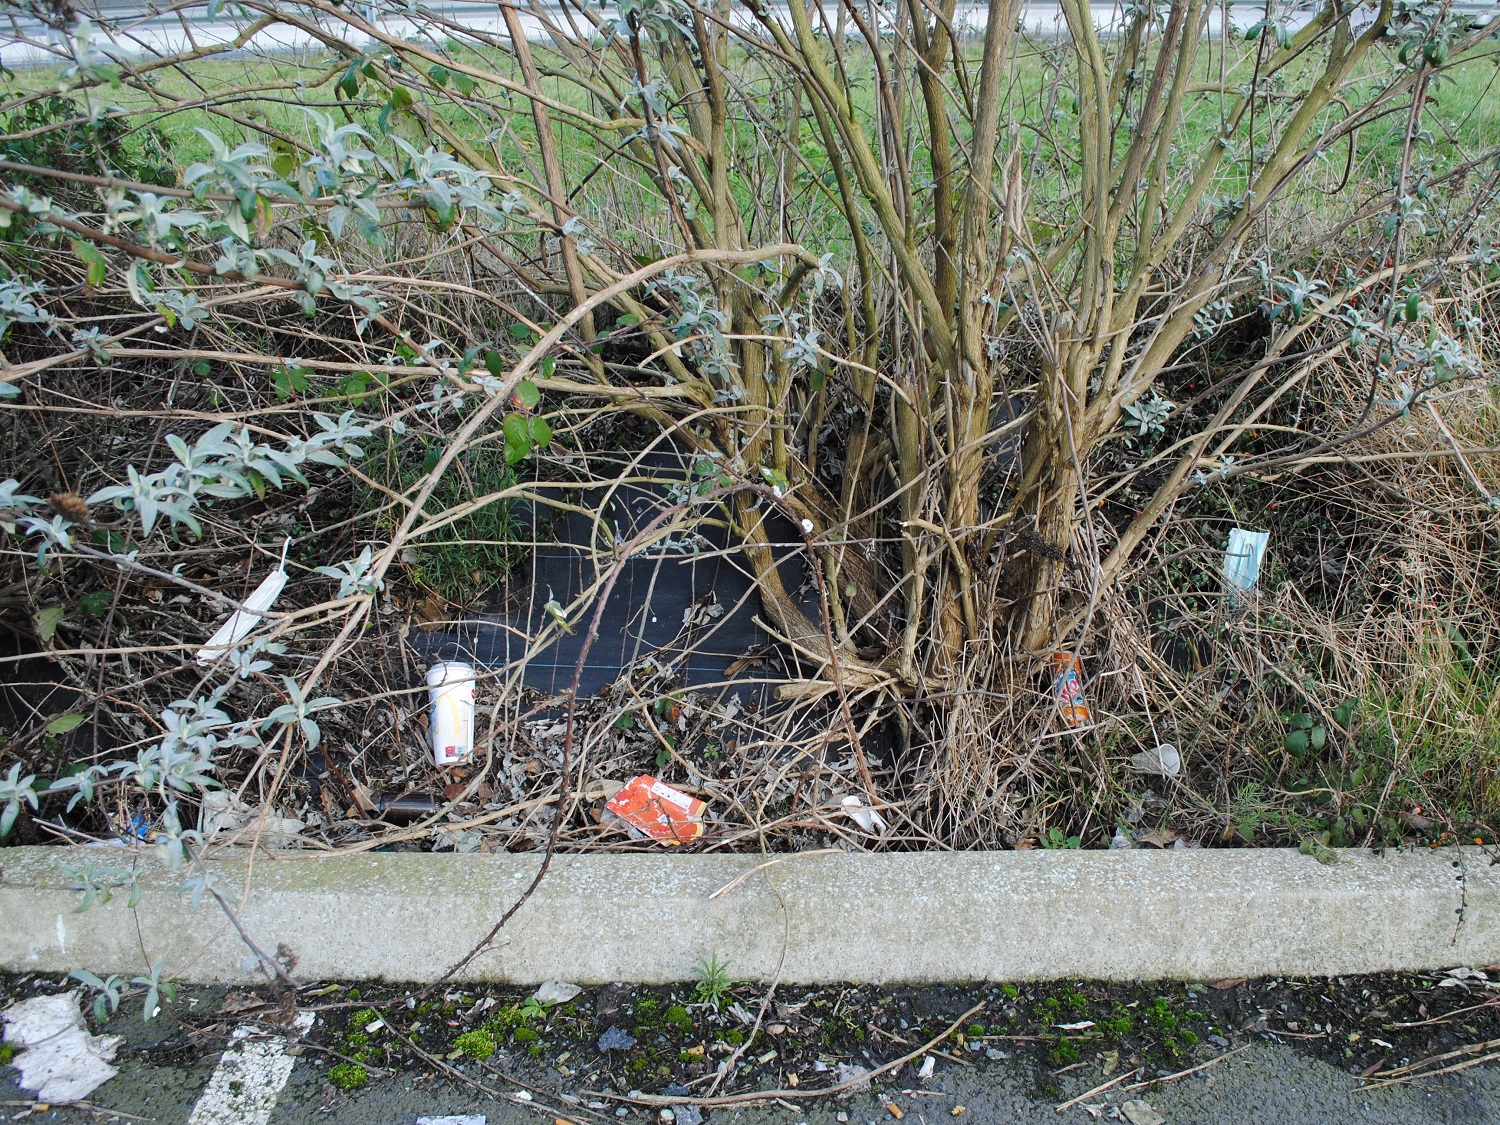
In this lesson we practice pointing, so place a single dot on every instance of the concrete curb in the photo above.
(1191, 915)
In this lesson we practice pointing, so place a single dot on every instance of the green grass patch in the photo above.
(478, 1044)
(348, 1076)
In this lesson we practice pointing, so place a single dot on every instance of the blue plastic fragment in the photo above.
(616, 1039)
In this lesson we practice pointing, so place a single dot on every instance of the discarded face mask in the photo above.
(1242, 559)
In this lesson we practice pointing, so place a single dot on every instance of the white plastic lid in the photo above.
(449, 672)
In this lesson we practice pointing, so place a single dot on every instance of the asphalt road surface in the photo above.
(175, 1073)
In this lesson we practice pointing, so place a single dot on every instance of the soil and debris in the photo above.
(593, 1052)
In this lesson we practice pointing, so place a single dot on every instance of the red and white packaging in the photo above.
(667, 815)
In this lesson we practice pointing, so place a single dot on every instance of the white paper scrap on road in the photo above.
(59, 1061)
(248, 1079)
(460, 1119)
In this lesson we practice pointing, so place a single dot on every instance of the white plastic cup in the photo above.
(450, 692)
(1164, 760)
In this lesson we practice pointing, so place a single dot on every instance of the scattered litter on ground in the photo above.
(241, 621)
(857, 1078)
(223, 816)
(1138, 1112)
(741, 1013)
(1242, 560)
(668, 1057)
(870, 822)
(59, 1060)
(928, 1064)
(1163, 759)
(454, 1119)
(555, 992)
(1067, 686)
(667, 815)
(616, 1038)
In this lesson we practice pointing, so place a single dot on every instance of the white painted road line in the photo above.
(249, 1077)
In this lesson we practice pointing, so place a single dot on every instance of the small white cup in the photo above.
(1164, 760)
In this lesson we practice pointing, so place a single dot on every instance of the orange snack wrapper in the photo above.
(667, 815)
(1067, 684)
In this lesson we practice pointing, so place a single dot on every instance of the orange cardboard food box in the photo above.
(661, 812)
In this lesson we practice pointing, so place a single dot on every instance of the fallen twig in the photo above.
(1446, 1016)
(1408, 1072)
(772, 1095)
(88, 1107)
(951, 1058)
(1115, 1081)
(1488, 1045)
(591, 792)
(565, 768)
(1465, 1065)
(1189, 1070)
(727, 1066)
(740, 878)
(528, 1102)
(370, 1068)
